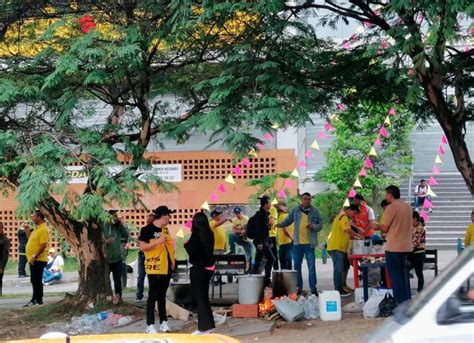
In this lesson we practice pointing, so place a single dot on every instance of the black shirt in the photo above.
(22, 240)
(200, 248)
(149, 232)
(262, 223)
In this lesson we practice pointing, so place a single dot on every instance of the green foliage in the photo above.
(268, 185)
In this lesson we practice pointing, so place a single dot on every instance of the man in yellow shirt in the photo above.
(469, 237)
(338, 245)
(220, 234)
(238, 235)
(37, 255)
(285, 239)
(273, 216)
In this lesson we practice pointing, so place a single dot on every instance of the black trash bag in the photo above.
(387, 306)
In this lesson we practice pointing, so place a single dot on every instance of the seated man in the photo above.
(53, 270)
(238, 235)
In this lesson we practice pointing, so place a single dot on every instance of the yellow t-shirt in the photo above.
(240, 223)
(304, 231)
(273, 213)
(39, 236)
(220, 235)
(339, 238)
(281, 237)
(157, 260)
(469, 237)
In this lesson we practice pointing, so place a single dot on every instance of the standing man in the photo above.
(4, 252)
(149, 227)
(37, 255)
(262, 242)
(397, 223)
(421, 193)
(157, 246)
(469, 235)
(273, 217)
(365, 219)
(238, 235)
(114, 233)
(220, 234)
(22, 240)
(307, 223)
(285, 239)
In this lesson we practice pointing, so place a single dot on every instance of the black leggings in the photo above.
(417, 261)
(158, 286)
(200, 278)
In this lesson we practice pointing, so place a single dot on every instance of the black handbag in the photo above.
(387, 306)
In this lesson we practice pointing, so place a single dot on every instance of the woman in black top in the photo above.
(200, 249)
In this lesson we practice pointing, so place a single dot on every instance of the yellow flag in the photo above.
(315, 145)
(387, 121)
(347, 203)
(295, 173)
(274, 202)
(252, 153)
(357, 183)
(180, 233)
(372, 152)
(205, 206)
(230, 179)
(431, 193)
(275, 126)
(438, 160)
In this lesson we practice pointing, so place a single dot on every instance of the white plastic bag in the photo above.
(354, 307)
(311, 307)
(288, 309)
(219, 319)
(371, 307)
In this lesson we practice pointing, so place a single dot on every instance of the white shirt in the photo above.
(57, 264)
(371, 213)
(422, 190)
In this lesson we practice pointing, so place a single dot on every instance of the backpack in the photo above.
(251, 230)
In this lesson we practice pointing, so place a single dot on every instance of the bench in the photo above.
(431, 261)
(227, 265)
(180, 272)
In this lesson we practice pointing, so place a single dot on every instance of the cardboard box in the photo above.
(244, 311)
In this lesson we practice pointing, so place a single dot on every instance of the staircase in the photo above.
(451, 209)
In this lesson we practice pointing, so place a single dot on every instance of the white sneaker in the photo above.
(164, 327)
(201, 333)
(150, 329)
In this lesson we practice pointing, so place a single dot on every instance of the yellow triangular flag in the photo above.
(347, 203)
(360, 29)
(295, 173)
(372, 152)
(387, 121)
(252, 153)
(431, 193)
(205, 206)
(274, 202)
(334, 117)
(180, 233)
(230, 179)
(315, 145)
(357, 183)
(275, 126)
(438, 160)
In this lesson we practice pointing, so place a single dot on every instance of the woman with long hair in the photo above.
(418, 255)
(200, 249)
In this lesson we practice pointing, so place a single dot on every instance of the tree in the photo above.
(355, 135)
(423, 46)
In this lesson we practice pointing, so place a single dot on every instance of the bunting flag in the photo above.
(268, 137)
(246, 162)
(346, 45)
(252, 153)
(295, 173)
(427, 203)
(372, 152)
(230, 179)
(383, 132)
(341, 107)
(288, 183)
(392, 111)
(281, 194)
(315, 145)
(363, 172)
(322, 135)
(308, 153)
(188, 224)
(440, 150)
(424, 216)
(438, 160)
(213, 197)
(431, 193)
(275, 126)
(433, 181)
(221, 188)
(205, 206)
(302, 164)
(368, 163)
(260, 145)
(387, 121)
(274, 202)
(329, 127)
(347, 203)
(435, 170)
(377, 141)
(352, 193)
(237, 171)
(357, 183)
(180, 234)
(444, 140)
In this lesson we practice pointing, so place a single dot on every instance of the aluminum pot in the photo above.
(250, 289)
(284, 282)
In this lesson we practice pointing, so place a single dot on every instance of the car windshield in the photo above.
(439, 282)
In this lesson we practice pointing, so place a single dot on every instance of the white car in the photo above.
(443, 312)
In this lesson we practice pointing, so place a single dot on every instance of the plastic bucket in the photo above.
(250, 289)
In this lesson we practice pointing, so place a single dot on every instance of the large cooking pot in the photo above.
(250, 289)
(284, 282)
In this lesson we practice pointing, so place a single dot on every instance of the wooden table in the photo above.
(355, 266)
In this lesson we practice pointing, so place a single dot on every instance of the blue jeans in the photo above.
(286, 256)
(141, 276)
(49, 276)
(420, 200)
(340, 264)
(397, 268)
(246, 245)
(300, 251)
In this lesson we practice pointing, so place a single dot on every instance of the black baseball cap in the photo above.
(215, 213)
(359, 196)
(354, 207)
(161, 211)
(237, 210)
(113, 211)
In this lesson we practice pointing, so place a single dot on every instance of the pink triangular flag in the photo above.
(308, 153)
(221, 188)
(237, 171)
(384, 44)
(368, 163)
(188, 224)
(392, 111)
(302, 164)
(246, 162)
(322, 135)
(435, 170)
(427, 204)
(378, 142)
(333, 62)
(329, 127)
(444, 140)
(214, 197)
(383, 132)
(367, 24)
(288, 183)
(281, 194)
(352, 193)
(433, 181)
(441, 150)
(346, 45)
(341, 107)
(363, 172)
(355, 36)
(268, 137)
(424, 216)
(260, 145)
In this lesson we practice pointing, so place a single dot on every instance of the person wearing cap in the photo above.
(115, 233)
(53, 270)
(158, 248)
(238, 236)
(307, 223)
(22, 261)
(150, 219)
(365, 219)
(262, 242)
(4, 252)
(339, 241)
(220, 233)
(284, 238)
